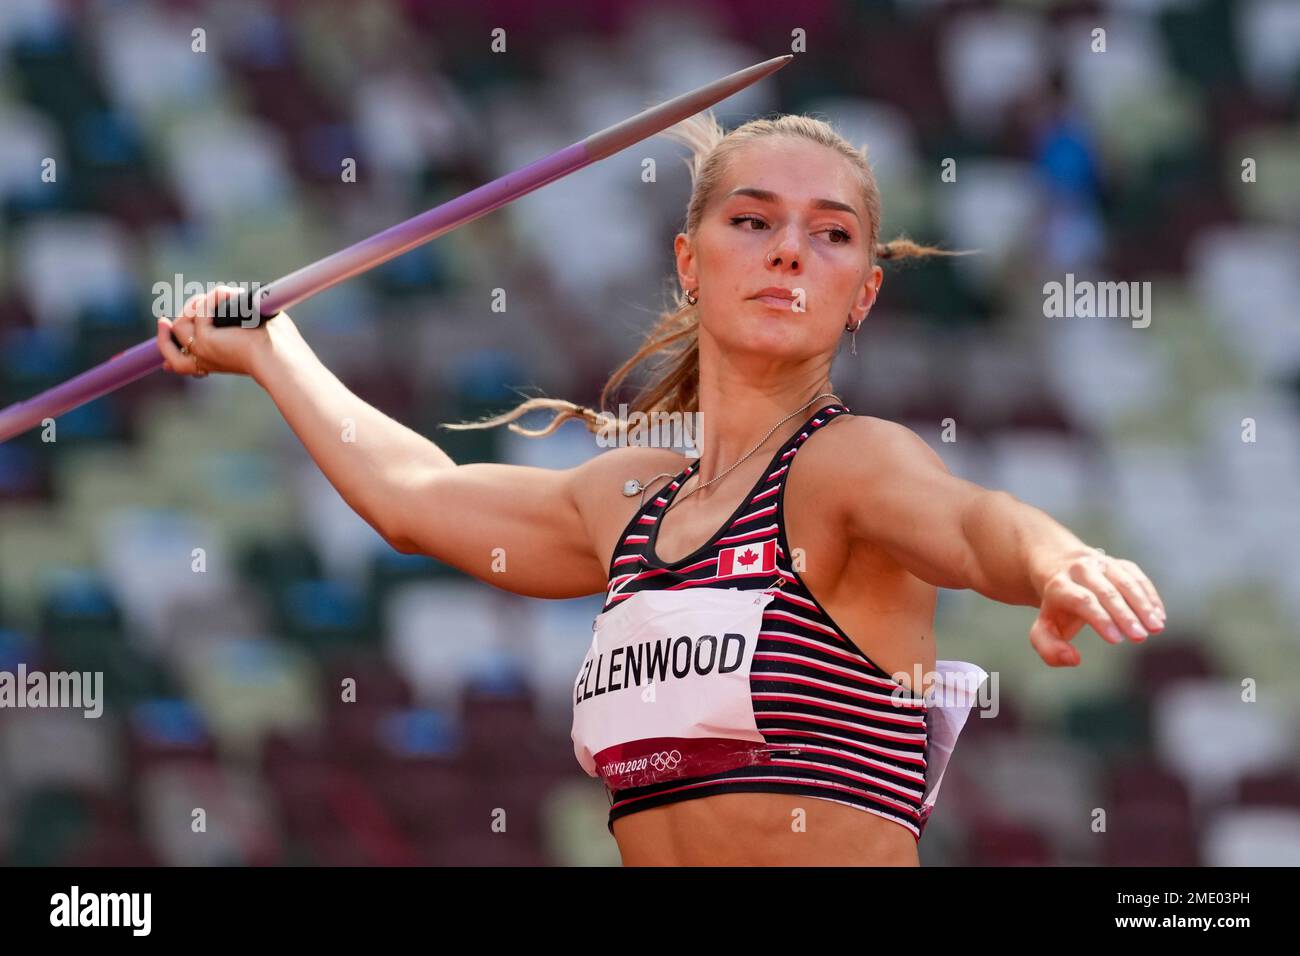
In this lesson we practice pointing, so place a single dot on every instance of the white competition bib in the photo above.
(664, 689)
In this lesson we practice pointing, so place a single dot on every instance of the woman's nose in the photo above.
(788, 251)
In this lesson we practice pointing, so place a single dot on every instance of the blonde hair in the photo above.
(674, 337)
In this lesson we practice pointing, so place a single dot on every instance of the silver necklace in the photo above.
(632, 486)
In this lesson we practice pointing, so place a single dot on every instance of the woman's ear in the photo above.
(870, 289)
(685, 257)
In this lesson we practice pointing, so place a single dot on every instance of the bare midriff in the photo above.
(762, 829)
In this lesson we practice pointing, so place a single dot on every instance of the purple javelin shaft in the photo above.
(139, 360)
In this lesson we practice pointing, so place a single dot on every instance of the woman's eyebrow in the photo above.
(768, 196)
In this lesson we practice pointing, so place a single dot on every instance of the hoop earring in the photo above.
(853, 339)
(693, 297)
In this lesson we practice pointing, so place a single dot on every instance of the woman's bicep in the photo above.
(515, 527)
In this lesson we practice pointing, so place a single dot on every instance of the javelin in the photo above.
(139, 360)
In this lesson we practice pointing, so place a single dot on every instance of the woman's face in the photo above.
(778, 220)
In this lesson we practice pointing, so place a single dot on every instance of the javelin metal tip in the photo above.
(658, 118)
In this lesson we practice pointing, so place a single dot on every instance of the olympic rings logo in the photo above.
(665, 760)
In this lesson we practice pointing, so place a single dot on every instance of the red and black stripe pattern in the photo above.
(845, 730)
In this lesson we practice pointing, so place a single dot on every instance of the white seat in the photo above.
(1211, 737)
(21, 17)
(1253, 836)
(147, 556)
(524, 130)
(27, 137)
(35, 539)
(1162, 480)
(992, 207)
(1154, 487)
(247, 688)
(1043, 469)
(685, 50)
(1275, 148)
(222, 165)
(601, 192)
(1149, 6)
(988, 60)
(1270, 465)
(137, 45)
(237, 815)
(1289, 586)
(407, 121)
(438, 633)
(1247, 277)
(58, 747)
(1168, 521)
(1133, 66)
(1257, 482)
(193, 621)
(1269, 35)
(886, 131)
(1103, 368)
(1039, 781)
(66, 263)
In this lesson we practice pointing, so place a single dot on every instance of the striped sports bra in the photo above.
(839, 726)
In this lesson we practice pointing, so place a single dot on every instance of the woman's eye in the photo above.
(834, 230)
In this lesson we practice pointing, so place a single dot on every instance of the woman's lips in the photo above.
(776, 301)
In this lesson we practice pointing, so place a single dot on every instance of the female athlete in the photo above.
(747, 697)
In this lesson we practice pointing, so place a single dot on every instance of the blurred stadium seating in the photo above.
(224, 687)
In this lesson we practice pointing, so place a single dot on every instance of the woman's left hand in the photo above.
(1112, 595)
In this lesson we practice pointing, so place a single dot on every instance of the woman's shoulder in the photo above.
(626, 462)
(866, 445)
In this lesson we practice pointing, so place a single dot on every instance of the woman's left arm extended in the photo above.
(955, 534)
